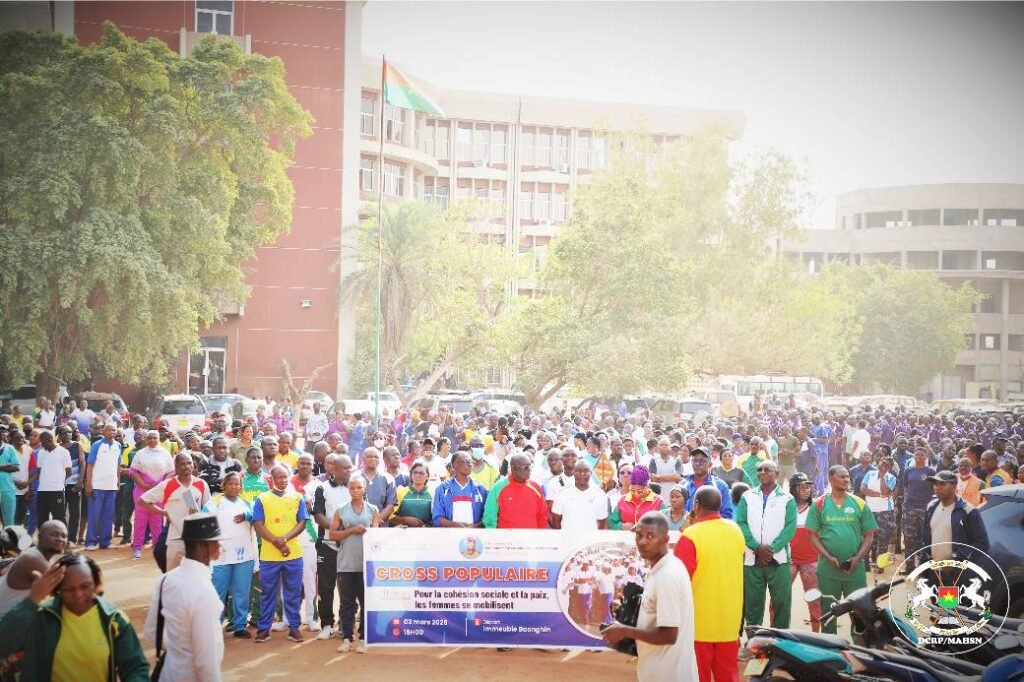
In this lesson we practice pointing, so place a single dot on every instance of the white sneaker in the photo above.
(279, 626)
(361, 647)
(325, 633)
(345, 645)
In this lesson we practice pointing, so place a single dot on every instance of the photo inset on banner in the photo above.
(471, 546)
(594, 579)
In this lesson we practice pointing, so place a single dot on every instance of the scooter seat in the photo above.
(814, 638)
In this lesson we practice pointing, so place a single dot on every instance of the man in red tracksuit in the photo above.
(516, 501)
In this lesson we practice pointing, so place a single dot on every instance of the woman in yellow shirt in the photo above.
(75, 633)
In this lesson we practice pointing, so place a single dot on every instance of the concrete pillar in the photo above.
(64, 18)
(1004, 339)
(353, 66)
(903, 260)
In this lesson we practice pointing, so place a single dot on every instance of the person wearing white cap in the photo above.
(184, 614)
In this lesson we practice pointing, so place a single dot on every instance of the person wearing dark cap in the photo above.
(953, 529)
(191, 635)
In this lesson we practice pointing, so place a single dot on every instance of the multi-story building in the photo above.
(292, 312)
(520, 156)
(964, 233)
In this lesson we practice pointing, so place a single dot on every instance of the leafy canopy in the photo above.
(133, 186)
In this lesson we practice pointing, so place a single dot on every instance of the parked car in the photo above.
(501, 394)
(23, 396)
(318, 396)
(682, 410)
(501, 408)
(634, 404)
(1003, 514)
(247, 408)
(221, 402)
(727, 402)
(387, 399)
(966, 406)
(97, 401)
(182, 412)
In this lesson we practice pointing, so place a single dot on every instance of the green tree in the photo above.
(133, 186)
(445, 295)
(913, 324)
(665, 255)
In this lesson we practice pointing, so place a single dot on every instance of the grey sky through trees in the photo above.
(865, 93)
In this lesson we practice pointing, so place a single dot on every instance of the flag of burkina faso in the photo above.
(400, 92)
(949, 597)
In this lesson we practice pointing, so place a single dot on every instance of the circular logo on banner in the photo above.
(592, 580)
(949, 601)
(471, 546)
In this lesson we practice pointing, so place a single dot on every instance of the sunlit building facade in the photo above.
(962, 232)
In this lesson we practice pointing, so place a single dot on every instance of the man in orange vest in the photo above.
(712, 551)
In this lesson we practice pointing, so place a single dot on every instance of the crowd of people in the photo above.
(275, 530)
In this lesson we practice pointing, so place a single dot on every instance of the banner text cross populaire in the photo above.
(480, 587)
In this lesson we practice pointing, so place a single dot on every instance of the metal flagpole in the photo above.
(380, 242)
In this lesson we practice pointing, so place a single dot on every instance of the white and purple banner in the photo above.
(481, 587)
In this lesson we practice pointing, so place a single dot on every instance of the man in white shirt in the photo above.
(437, 471)
(860, 442)
(664, 628)
(102, 476)
(559, 479)
(84, 417)
(191, 635)
(47, 416)
(316, 428)
(581, 505)
(53, 466)
(178, 497)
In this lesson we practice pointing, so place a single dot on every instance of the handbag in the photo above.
(160, 653)
(628, 613)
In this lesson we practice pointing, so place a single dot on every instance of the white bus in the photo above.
(764, 385)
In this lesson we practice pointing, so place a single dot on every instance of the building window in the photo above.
(560, 154)
(559, 208)
(529, 153)
(464, 143)
(493, 376)
(498, 145)
(929, 216)
(435, 191)
(989, 341)
(542, 205)
(366, 174)
(583, 155)
(1004, 217)
(214, 16)
(543, 153)
(600, 153)
(526, 205)
(481, 143)
(367, 116)
(960, 216)
(393, 123)
(394, 180)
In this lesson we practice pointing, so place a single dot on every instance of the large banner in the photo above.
(479, 587)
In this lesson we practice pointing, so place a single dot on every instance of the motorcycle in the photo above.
(884, 648)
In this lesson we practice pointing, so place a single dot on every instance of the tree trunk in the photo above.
(47, 386)
(450, 359)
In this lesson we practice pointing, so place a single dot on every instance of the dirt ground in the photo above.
(130, 585)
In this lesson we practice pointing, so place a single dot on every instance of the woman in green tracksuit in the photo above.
(75, 634)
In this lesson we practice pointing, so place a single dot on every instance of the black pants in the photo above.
(326, 582)
(350, 587)
(74, 500)
(124, 508)
(50, 505)
(21, 511)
